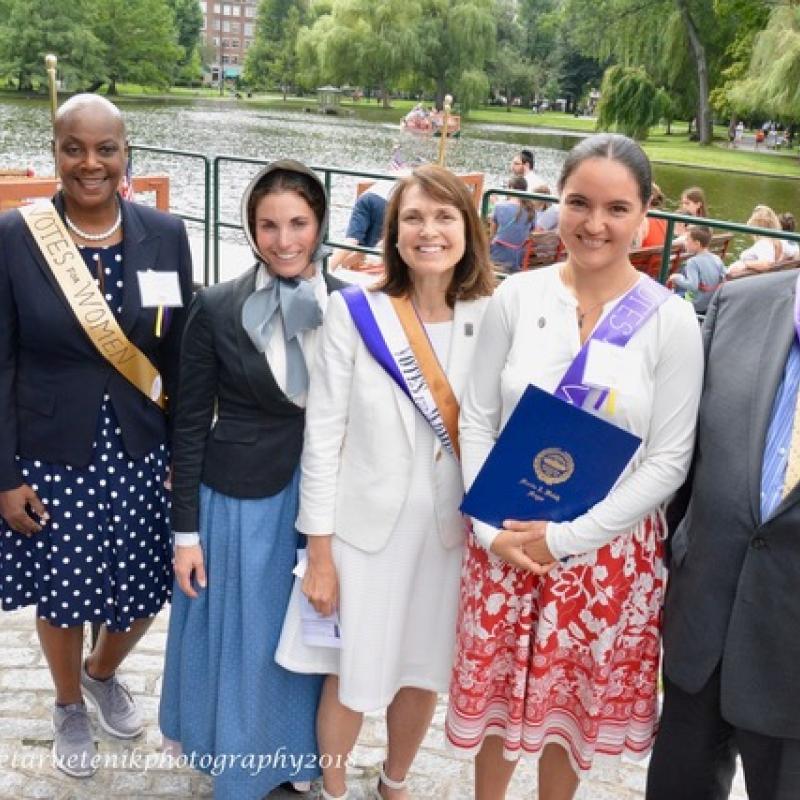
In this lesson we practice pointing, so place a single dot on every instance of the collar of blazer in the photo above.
(139, 252)
(775, 340)
(466, 318)
(255, 367)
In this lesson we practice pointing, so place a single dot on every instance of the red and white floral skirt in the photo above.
(571, 657)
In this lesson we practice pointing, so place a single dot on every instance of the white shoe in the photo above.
(388, 782)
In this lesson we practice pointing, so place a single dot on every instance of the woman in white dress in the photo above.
(381, 481)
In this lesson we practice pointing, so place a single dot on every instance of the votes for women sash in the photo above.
(396, 339)
(555, 459)
(87, 302)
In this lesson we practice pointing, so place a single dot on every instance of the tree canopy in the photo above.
(97, 41)
(687, 59)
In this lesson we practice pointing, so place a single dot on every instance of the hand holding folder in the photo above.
(552, 461)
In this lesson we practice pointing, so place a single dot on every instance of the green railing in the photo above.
(205, 219)
(212, 223)
(671, 217)
(327, 174)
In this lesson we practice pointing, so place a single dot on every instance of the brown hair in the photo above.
(519, 184)
(284, 180)
(615, 147)
(473, 276)
(787, 221)
(700, 234)
(657, 197)
(696, 195)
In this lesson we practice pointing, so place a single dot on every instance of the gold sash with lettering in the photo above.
(429, 366)
(87, 302)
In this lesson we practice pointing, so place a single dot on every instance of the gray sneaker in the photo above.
(116, 711)
(73, 744)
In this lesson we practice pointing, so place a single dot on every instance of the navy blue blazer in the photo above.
(52, 379)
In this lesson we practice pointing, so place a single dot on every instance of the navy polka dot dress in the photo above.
(106, 554)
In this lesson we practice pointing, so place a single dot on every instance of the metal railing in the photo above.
(213, 224)
(327, 174)
(672, 218)
(205, 219)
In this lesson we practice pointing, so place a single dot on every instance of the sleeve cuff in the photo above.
(485, 534)
(551, 537)
(186, 539)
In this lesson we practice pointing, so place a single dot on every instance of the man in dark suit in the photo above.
(732, 615)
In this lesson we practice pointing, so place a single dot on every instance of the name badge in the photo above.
(610, 367)
(159, 289)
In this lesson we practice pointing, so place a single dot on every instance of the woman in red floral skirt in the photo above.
(558, 640)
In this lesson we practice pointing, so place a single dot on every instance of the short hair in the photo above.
(473, 276)
(616, 147)
(700, 233)
(517, 183)
(83, 103)
(787, 221)
(287, 180)
(527, 157)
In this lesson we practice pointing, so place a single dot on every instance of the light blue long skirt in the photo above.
(237, 714)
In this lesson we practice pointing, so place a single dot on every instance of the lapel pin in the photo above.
(468, 329)
(542, 322)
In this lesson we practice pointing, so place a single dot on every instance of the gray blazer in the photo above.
(734, 593)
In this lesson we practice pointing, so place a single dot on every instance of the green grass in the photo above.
(678, 150)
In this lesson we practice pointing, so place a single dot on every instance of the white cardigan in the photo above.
(359, 437)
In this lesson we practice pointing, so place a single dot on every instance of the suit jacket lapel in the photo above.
(39, 258)
(777, 338)
(459, 357)
(139, 253)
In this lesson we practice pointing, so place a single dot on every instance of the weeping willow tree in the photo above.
(772, 84)
(363, 42)
(630, 102)
(681, 43)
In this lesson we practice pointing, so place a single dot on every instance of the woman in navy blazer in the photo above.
(84, 452)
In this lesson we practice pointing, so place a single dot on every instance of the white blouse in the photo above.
(530, 335)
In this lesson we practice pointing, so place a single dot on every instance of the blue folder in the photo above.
(552, 461)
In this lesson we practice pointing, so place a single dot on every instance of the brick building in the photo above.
(228, 29)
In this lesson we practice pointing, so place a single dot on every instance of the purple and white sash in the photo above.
(623, 321)
(379, 327)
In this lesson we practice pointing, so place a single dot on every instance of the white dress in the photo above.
(398, 606)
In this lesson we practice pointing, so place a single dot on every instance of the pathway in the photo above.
(133, 771)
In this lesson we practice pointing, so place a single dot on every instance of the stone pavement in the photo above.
(132, 771)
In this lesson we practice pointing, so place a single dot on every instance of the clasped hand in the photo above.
(523, 545)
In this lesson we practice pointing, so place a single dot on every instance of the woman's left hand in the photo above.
(535, 547)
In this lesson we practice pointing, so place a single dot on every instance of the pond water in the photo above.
(222, 128)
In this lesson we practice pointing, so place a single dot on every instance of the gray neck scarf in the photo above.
(294, 299)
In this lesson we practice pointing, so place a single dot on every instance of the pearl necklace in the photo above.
(95, 237)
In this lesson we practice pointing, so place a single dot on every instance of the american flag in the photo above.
(126, 184)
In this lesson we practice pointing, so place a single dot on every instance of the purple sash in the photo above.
(366, 325)
(797, 308)
(622, 322)
(382, 332)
